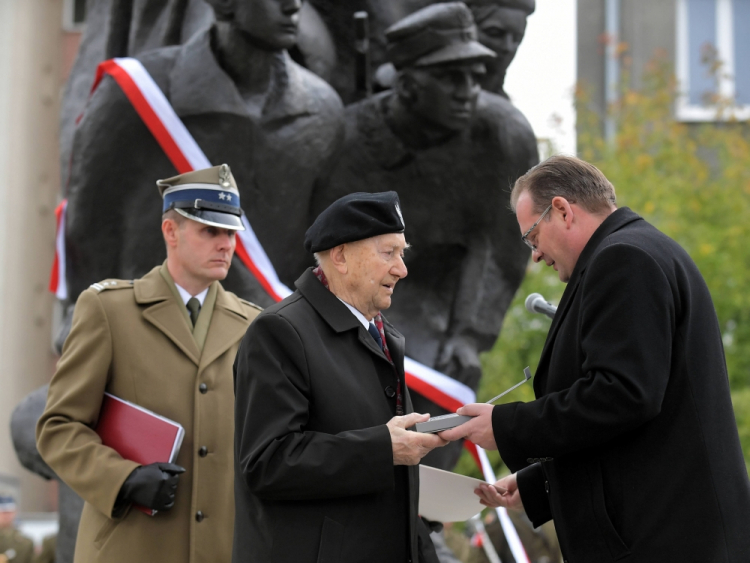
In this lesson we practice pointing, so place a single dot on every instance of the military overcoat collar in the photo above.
(341, 319)
(161, 309)
(198, 85)
(616, 221)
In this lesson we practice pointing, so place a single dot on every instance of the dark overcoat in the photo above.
(632, 445)
(314, 473)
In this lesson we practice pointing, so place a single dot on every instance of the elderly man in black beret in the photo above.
(450, 149)
(325, 468)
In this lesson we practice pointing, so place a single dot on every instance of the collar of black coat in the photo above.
(198, 85)
(616, 221)
(326, 303)
(340, 319)
(330, 307)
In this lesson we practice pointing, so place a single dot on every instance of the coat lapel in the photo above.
(334, 312)
(163, 311)
(614, 222)
(396, 345)
(228, 325)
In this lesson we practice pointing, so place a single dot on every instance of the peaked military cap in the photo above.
(7, 503)
(355, 217)
(209, 196)
(439, 33)
(527, 6)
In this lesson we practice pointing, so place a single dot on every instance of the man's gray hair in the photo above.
(572, 178)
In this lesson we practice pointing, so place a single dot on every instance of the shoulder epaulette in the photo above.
(250, 304)
(111, 284)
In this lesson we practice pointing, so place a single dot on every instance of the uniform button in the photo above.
(390, 392)
(203, 452)
(203, 388)
(199, 516)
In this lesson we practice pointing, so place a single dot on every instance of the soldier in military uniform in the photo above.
(14, 546)
(450, 150)
(166, 342)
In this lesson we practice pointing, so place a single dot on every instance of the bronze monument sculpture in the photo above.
(246, 103)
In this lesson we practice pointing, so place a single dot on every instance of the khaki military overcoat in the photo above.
(132, 339)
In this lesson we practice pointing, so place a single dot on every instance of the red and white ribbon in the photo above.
(251, 253)
(185, 154)
(57, 283)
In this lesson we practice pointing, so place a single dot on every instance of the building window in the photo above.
(713, 59)
(74, 15)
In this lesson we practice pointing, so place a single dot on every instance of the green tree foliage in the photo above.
(692, 181)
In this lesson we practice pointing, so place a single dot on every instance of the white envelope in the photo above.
(446, 496)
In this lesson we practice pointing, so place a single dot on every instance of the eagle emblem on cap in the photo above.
(398, 210)
(224, 174)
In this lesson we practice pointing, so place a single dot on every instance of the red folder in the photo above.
(138, 434)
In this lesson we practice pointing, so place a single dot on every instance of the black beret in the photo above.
(355, 217)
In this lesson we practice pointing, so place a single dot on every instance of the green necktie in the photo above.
(194, 306)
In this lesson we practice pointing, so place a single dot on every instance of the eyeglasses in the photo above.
(527, 233)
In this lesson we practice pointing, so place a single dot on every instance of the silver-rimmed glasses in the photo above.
(527, 233)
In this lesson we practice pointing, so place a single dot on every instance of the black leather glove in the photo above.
(152, 486)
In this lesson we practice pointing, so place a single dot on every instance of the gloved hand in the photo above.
(152, 486)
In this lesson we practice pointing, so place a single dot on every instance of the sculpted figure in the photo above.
(451, 151)
(246, 103)
(501, 25)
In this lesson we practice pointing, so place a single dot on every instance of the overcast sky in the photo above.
(541, 78)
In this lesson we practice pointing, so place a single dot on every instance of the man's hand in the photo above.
(152, 486)
(503, 493)
(477, 430)
(410, 447)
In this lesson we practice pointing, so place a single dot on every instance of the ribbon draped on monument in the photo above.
(184, 153)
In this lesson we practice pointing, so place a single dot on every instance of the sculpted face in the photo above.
(202, 252)
(500, 29)
(446, 94)
(373, 267)
(273, 24)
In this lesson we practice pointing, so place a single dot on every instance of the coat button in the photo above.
(203, 388)
(203, 452)
(390, 392)
(199, 516)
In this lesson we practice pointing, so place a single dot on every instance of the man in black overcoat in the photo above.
(325, 469)
(450, 150)
(631, 445)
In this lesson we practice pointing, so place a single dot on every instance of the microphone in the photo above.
(535, 303)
